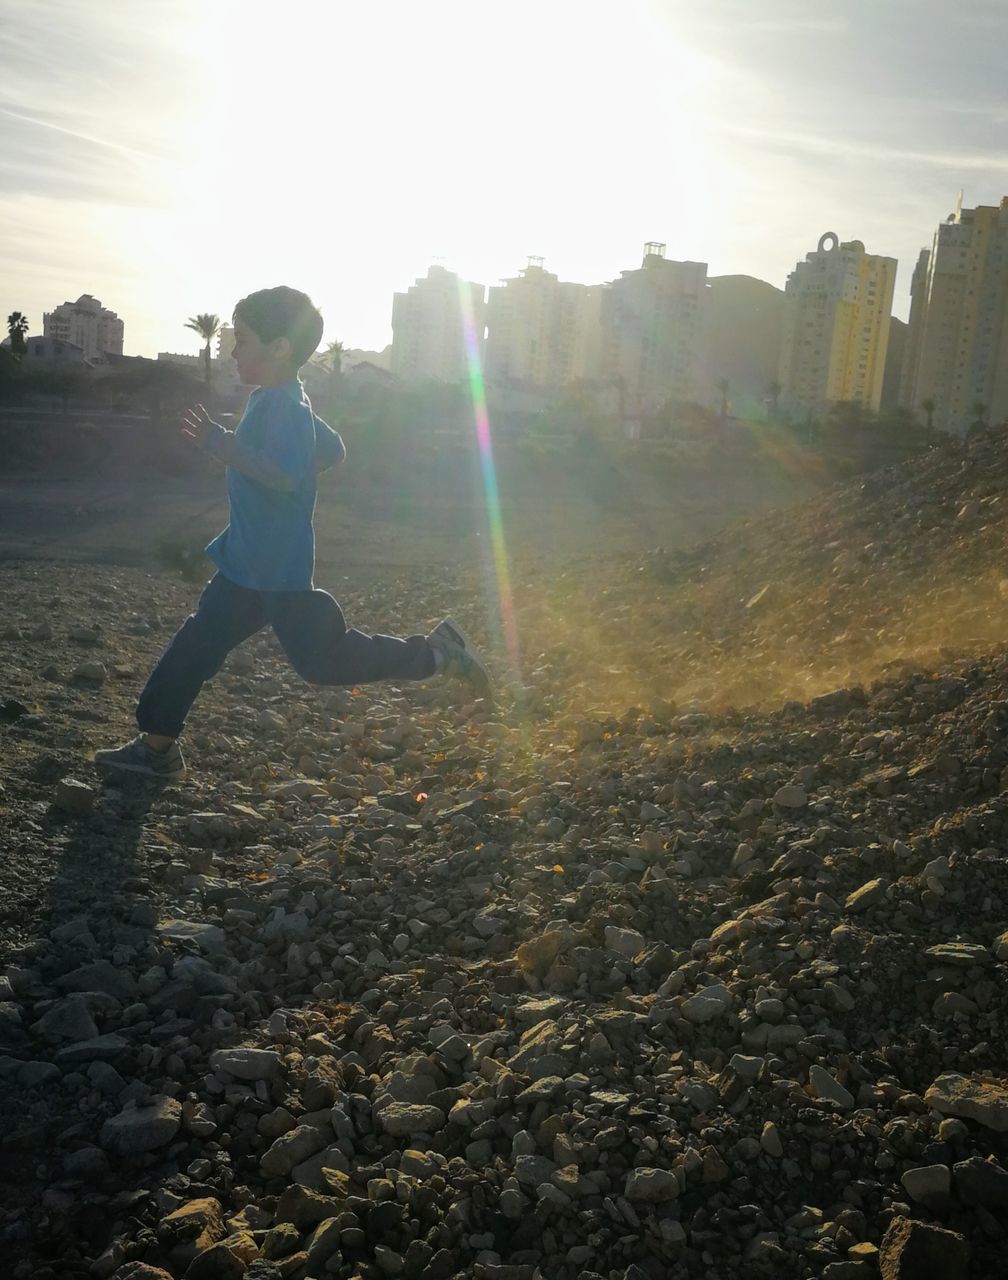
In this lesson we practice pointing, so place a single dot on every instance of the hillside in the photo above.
(686, 959)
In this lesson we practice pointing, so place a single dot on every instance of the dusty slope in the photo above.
(601, 983)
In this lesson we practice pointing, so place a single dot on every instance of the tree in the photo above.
(334, 353)
(207, 326)
(17, 327)
(979, 411)
(333, 361)
(929, 406)
(722, 386)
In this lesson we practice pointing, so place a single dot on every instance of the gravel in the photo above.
(685, 960)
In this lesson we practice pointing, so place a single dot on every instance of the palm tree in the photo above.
(773, 391)
(929, 406)
(334, 353)
(17, 327)
(333, 361)
(207, 326)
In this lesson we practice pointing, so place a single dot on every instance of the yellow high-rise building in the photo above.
(957, 344)
(837, 309)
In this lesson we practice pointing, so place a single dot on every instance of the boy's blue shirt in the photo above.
(269, 543)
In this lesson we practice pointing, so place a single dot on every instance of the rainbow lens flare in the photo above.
(477, 389)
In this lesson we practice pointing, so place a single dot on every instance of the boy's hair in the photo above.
(283, 313)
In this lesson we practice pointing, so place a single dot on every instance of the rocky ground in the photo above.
(686, 959)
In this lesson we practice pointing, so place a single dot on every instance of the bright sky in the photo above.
(169, 156)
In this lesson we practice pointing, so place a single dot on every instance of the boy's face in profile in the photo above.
(260, 364)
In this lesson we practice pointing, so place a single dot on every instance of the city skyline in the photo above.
(475, 139)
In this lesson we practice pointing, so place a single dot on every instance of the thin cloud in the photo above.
(852, 148)
(119, 147)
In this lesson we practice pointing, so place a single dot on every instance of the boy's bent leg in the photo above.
(225, 616)
(323, 650)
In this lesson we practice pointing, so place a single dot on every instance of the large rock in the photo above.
(191, 1229)
(138, 1129)
(651, 1186)
(401, 1119)
(985, 1101)
(226, 1260)
(247, 1064)
(930, 1185)
(304, 1208)
(980, 1181)
(707, 1004)
(291, 1149)
(918, 1251)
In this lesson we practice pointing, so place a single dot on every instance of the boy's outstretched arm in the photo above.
(221, 444)
(329, 446)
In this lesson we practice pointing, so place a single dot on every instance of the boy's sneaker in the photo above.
(458, 657)
(137, 757)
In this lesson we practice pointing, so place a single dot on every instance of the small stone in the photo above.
(208, 937)
(959, 953)
(829, 1089)
(75, 797)
(792, 796)
(770, 1140)
(94, 673)
(869, 895)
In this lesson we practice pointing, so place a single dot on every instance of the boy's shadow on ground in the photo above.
(99, 917)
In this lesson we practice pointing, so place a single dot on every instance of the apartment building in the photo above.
(86, 324)
(837, 311)
(428, 337)
(542, 331)
(653, 328)
(957, 344)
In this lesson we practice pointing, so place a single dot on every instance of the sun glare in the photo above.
(346, 149)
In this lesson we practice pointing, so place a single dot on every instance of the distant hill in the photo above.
(742, 341)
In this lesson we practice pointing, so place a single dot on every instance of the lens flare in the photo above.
(477, 389)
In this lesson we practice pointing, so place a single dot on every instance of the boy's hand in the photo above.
(200, 428)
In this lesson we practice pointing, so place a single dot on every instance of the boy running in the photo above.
(265, 557)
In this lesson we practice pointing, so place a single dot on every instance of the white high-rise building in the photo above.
(837, 310)
(542, 331)
(428, 332)
(88, 325)
(956, 358)
(652, 327)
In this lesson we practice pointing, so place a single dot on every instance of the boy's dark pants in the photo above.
(309, 625)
